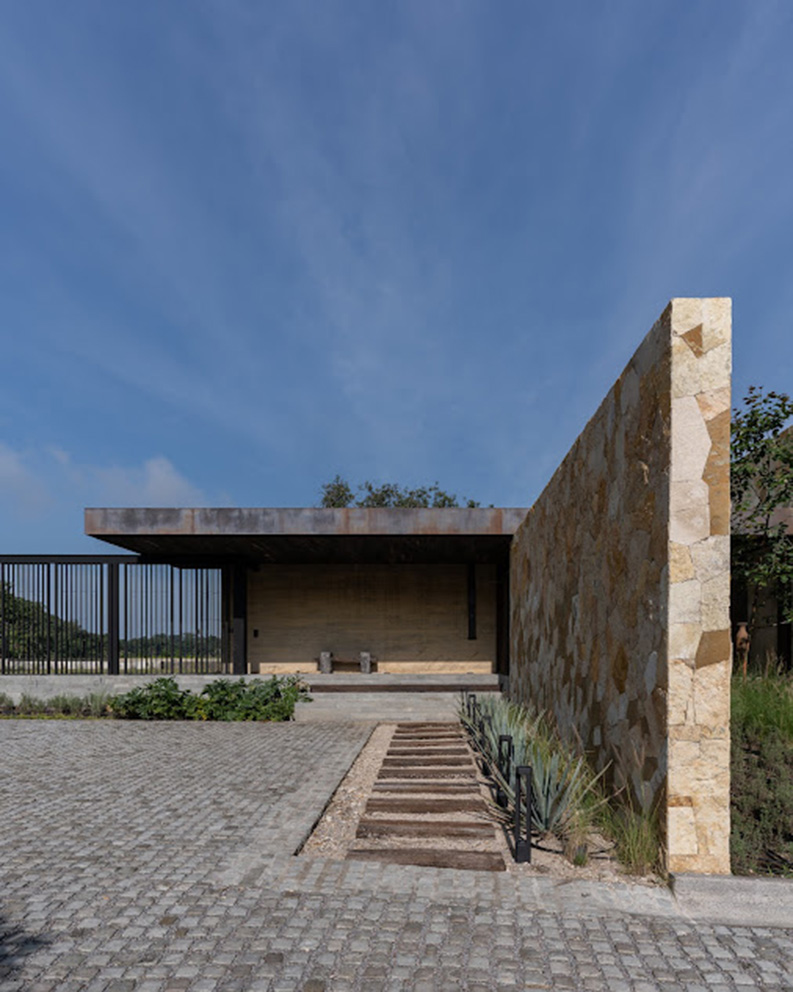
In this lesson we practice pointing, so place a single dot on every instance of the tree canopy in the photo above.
(761, 485)
(338, 493)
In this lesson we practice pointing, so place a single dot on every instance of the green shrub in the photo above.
(67, 706)
(636, 834)
(273, 699)
(223, 699)
(161, 699)
(763, 702)
(96, 704)
(30, 705)
(761, 795)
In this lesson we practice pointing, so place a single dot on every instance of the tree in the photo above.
(30, 632)
(761, 485)
(339, 494)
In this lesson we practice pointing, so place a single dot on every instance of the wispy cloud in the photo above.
(24, 494)
(45, 486)
(409, 241)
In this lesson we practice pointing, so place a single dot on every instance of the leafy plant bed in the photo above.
(761, 791)
(571, 814)
(162, 699)
(65, 707)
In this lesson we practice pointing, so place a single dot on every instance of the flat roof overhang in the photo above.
(304, 535)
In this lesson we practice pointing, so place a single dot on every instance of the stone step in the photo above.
(428, 762)
(429, 725)
(431, 858)
(418, 788)
(414, 772)
(380, 687)
(408, 804)
(369, 827)
(426, 739)
(412, 752)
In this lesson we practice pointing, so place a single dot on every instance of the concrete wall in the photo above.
(410, 617)
(620, 583)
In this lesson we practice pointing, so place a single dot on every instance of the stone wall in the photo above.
(620, 583)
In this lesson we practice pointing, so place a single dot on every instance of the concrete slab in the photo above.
(766, 902)
(119, 522)
(389, 707)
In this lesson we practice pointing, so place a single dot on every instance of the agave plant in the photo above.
(562, 781)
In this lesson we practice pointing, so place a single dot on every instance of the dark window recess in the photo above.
(472, 602)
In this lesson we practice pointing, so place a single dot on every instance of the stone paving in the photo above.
(158, 857)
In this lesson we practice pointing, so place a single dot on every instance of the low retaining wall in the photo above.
(49, 686)
(620, 583)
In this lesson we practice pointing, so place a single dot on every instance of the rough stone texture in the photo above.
(620, 583)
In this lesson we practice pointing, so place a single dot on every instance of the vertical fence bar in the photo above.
(3, 618)
(113, 636)
(171, 609)
(59, 667)
(196, 622)
(181, 620)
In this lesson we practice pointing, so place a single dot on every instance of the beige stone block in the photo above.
(711, 557)
(690, 440)
(688, 731)
(717, 325)
(437, 667)
(681, 565)
(681, 831)
(689, 512)
(692, 376)
(699, 863)
(716, 758)
(699, 768)
(684, 640)
(685, 602)
(714, 402)
(685, 758)
(687, 313)
(285, 668)
(716, 603)
(713, 832)
(712, 698)
(680, 694)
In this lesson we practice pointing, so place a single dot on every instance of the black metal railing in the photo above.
(497, 761)
(110, 614)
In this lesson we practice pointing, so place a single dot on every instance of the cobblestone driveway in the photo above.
(155, 857)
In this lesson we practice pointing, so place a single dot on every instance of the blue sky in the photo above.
(246, 246)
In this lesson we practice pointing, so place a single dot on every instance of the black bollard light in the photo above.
(483, 746)
(506, 752)
(523, 844)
